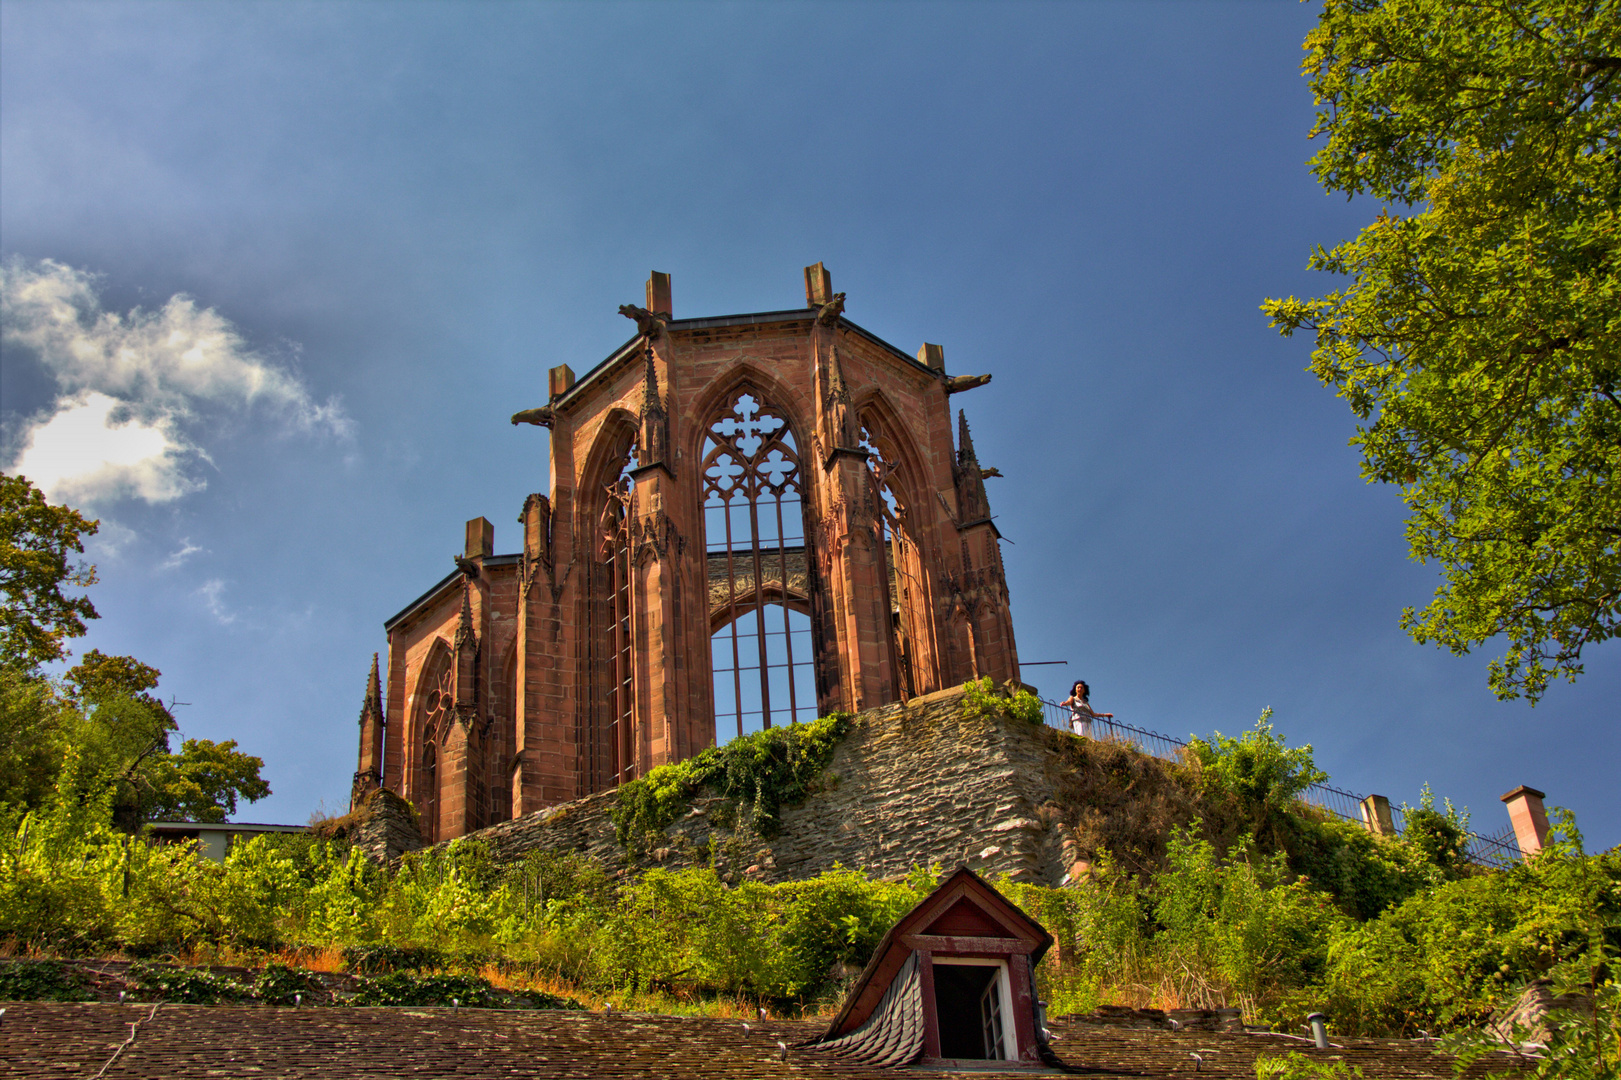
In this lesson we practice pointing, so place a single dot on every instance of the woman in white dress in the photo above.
(1081, 714)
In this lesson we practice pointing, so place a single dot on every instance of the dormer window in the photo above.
(951, 982)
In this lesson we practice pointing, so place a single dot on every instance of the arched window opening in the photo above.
(900, 551)
(761, 645)
(430, 785)
(503, 742)
(616, 752)
(438, 713)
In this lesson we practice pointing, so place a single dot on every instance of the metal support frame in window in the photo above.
(757, 569)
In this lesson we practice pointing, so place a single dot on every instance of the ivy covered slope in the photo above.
(757, 775)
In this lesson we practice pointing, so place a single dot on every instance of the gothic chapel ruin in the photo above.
(754, 520)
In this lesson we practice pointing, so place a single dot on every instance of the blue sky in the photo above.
(281, 272)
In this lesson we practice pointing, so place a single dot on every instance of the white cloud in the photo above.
(85, 453)
(176, 558)
(213, 594)
(130, 384)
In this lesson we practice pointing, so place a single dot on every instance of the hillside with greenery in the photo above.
(1240, 925)
(1257, 900)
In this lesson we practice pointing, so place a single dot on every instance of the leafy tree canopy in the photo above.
(120, 735)
(97, 733)
(1479, 333)
(36, 539)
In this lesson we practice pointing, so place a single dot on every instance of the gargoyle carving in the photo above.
(467, 566)
(830, 311)
(956, 384)
(648, 323)
(986, 474)
(541, 417)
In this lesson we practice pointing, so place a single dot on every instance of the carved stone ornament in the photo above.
(540, 417)
(648, 323)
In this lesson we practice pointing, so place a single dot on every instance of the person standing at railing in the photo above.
(1081, 714)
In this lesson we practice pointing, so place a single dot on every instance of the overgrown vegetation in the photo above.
(983, 698)
(41, 980)
(1216, 926)
(1297, 1066)
(1257, 770)
(756, 775)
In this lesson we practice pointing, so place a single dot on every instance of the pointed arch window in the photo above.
(614, 749)
(903, 564)
(438, 711)
(761, 645)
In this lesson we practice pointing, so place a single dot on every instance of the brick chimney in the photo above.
(818, 286)
(658, 293)
(1530, 821)
(559, 379)
(480, 538)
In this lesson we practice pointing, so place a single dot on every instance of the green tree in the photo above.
(1262, 773)
(122, 735)
(36, 540)
(33, 717)
(1479, 335)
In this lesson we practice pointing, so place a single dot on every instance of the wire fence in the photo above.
(1496, 850)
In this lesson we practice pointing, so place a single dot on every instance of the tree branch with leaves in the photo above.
(1479, 336)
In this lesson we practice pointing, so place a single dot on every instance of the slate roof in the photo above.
(893, 1034)
(190, 1041)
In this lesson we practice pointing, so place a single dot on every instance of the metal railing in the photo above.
(1496, 851)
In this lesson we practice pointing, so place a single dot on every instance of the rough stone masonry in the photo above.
(930, 781)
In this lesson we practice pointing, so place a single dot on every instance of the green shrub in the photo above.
(1446, 957)
(377, 958)
(1297, 1066)
(1263, 774)
(1436, 838)
(1367, 874)
(42, 980)
(1242, 928)
(278, 984)
(404, 988)
(757, 774)
(186, 986)
(984, 699)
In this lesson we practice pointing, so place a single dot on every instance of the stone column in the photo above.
(1376, 816)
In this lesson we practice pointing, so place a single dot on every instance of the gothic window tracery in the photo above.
(761, 643)
(903, 566)
(438, 711)
(619, 648)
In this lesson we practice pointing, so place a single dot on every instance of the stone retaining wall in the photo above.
(912, 784)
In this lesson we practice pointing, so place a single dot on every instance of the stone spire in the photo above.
(655, 436)
(369, 771)
(973, 506)
(373, 703)
(466, 643)
(464, 627)
(837, 419)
